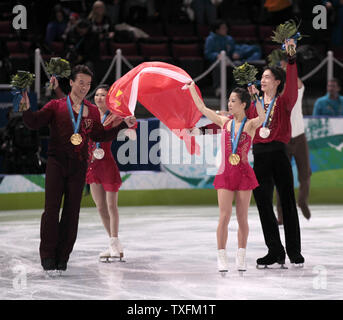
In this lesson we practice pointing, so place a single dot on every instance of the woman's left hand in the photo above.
(112, 119)
(130, 121)
(189, 85)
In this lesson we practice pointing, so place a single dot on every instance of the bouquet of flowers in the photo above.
(20, 82)
(287, 30)
(245, 75)
(276, 56)
(59, 68)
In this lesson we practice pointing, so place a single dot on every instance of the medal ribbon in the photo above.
(97, 145)
(76, 124)
(270, 107)
(234, 141)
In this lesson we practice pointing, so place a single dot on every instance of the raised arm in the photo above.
(210, 114)
(290, 94)
(99, 133)
(55, 85)
(38, 119)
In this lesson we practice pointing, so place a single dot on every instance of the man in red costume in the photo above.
(72, 121)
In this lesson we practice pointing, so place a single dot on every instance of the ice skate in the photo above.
(241, 263)
(61, 267)
(271, 261)
(51, 274)
(105, 256)
(297, 260)
(222, 261)
(49, 267)
(116, 249)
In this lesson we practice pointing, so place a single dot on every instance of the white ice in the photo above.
(170, 253)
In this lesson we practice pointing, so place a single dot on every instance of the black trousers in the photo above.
(64, 177)
(273, 166)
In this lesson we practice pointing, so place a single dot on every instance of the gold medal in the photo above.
(234, 159)
(76, 139)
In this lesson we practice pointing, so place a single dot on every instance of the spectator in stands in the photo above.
(82, 45)
(335, 12)
(219, 40)
(170, 11)
(5, 63)
(56, 28)
(101, 23)
(73, 20)
(113, 10)
(206, 8)
(137, 11)
(332, 103)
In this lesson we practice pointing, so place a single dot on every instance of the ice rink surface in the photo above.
(170, 254)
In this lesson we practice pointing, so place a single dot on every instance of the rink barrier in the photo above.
(163, 197)
(222, 59)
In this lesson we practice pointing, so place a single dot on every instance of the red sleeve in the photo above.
(251, 111)
(99, 133)
(290, 94)
(59, 93)
(36, 119)
(211, 128)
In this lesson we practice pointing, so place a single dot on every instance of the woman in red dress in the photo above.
(235, 178)
(104, 179)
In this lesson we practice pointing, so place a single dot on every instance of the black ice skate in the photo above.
(297, 260)
(49, 266)
(269, 261)
(61, 266)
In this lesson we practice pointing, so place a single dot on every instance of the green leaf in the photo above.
(276, 56)
(22, 79)
(285, 31)
(244, 74)
(58, 67)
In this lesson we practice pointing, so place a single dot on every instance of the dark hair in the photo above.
(80, 68)
(102, 86)
(335, 80)
(279, 74)
(83, 24)
(243, 95)
(216, 24)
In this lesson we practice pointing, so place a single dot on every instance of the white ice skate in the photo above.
(105, 256)
(240, 260)
(222, 261)
(116, 249)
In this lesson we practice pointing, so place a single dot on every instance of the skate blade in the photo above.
(107, 259)
(297, 265)
(51, 274)
(223, 273)
(111, 259)
(271, 266)
(115, 258)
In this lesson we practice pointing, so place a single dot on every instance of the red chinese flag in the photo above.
(158, 86)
